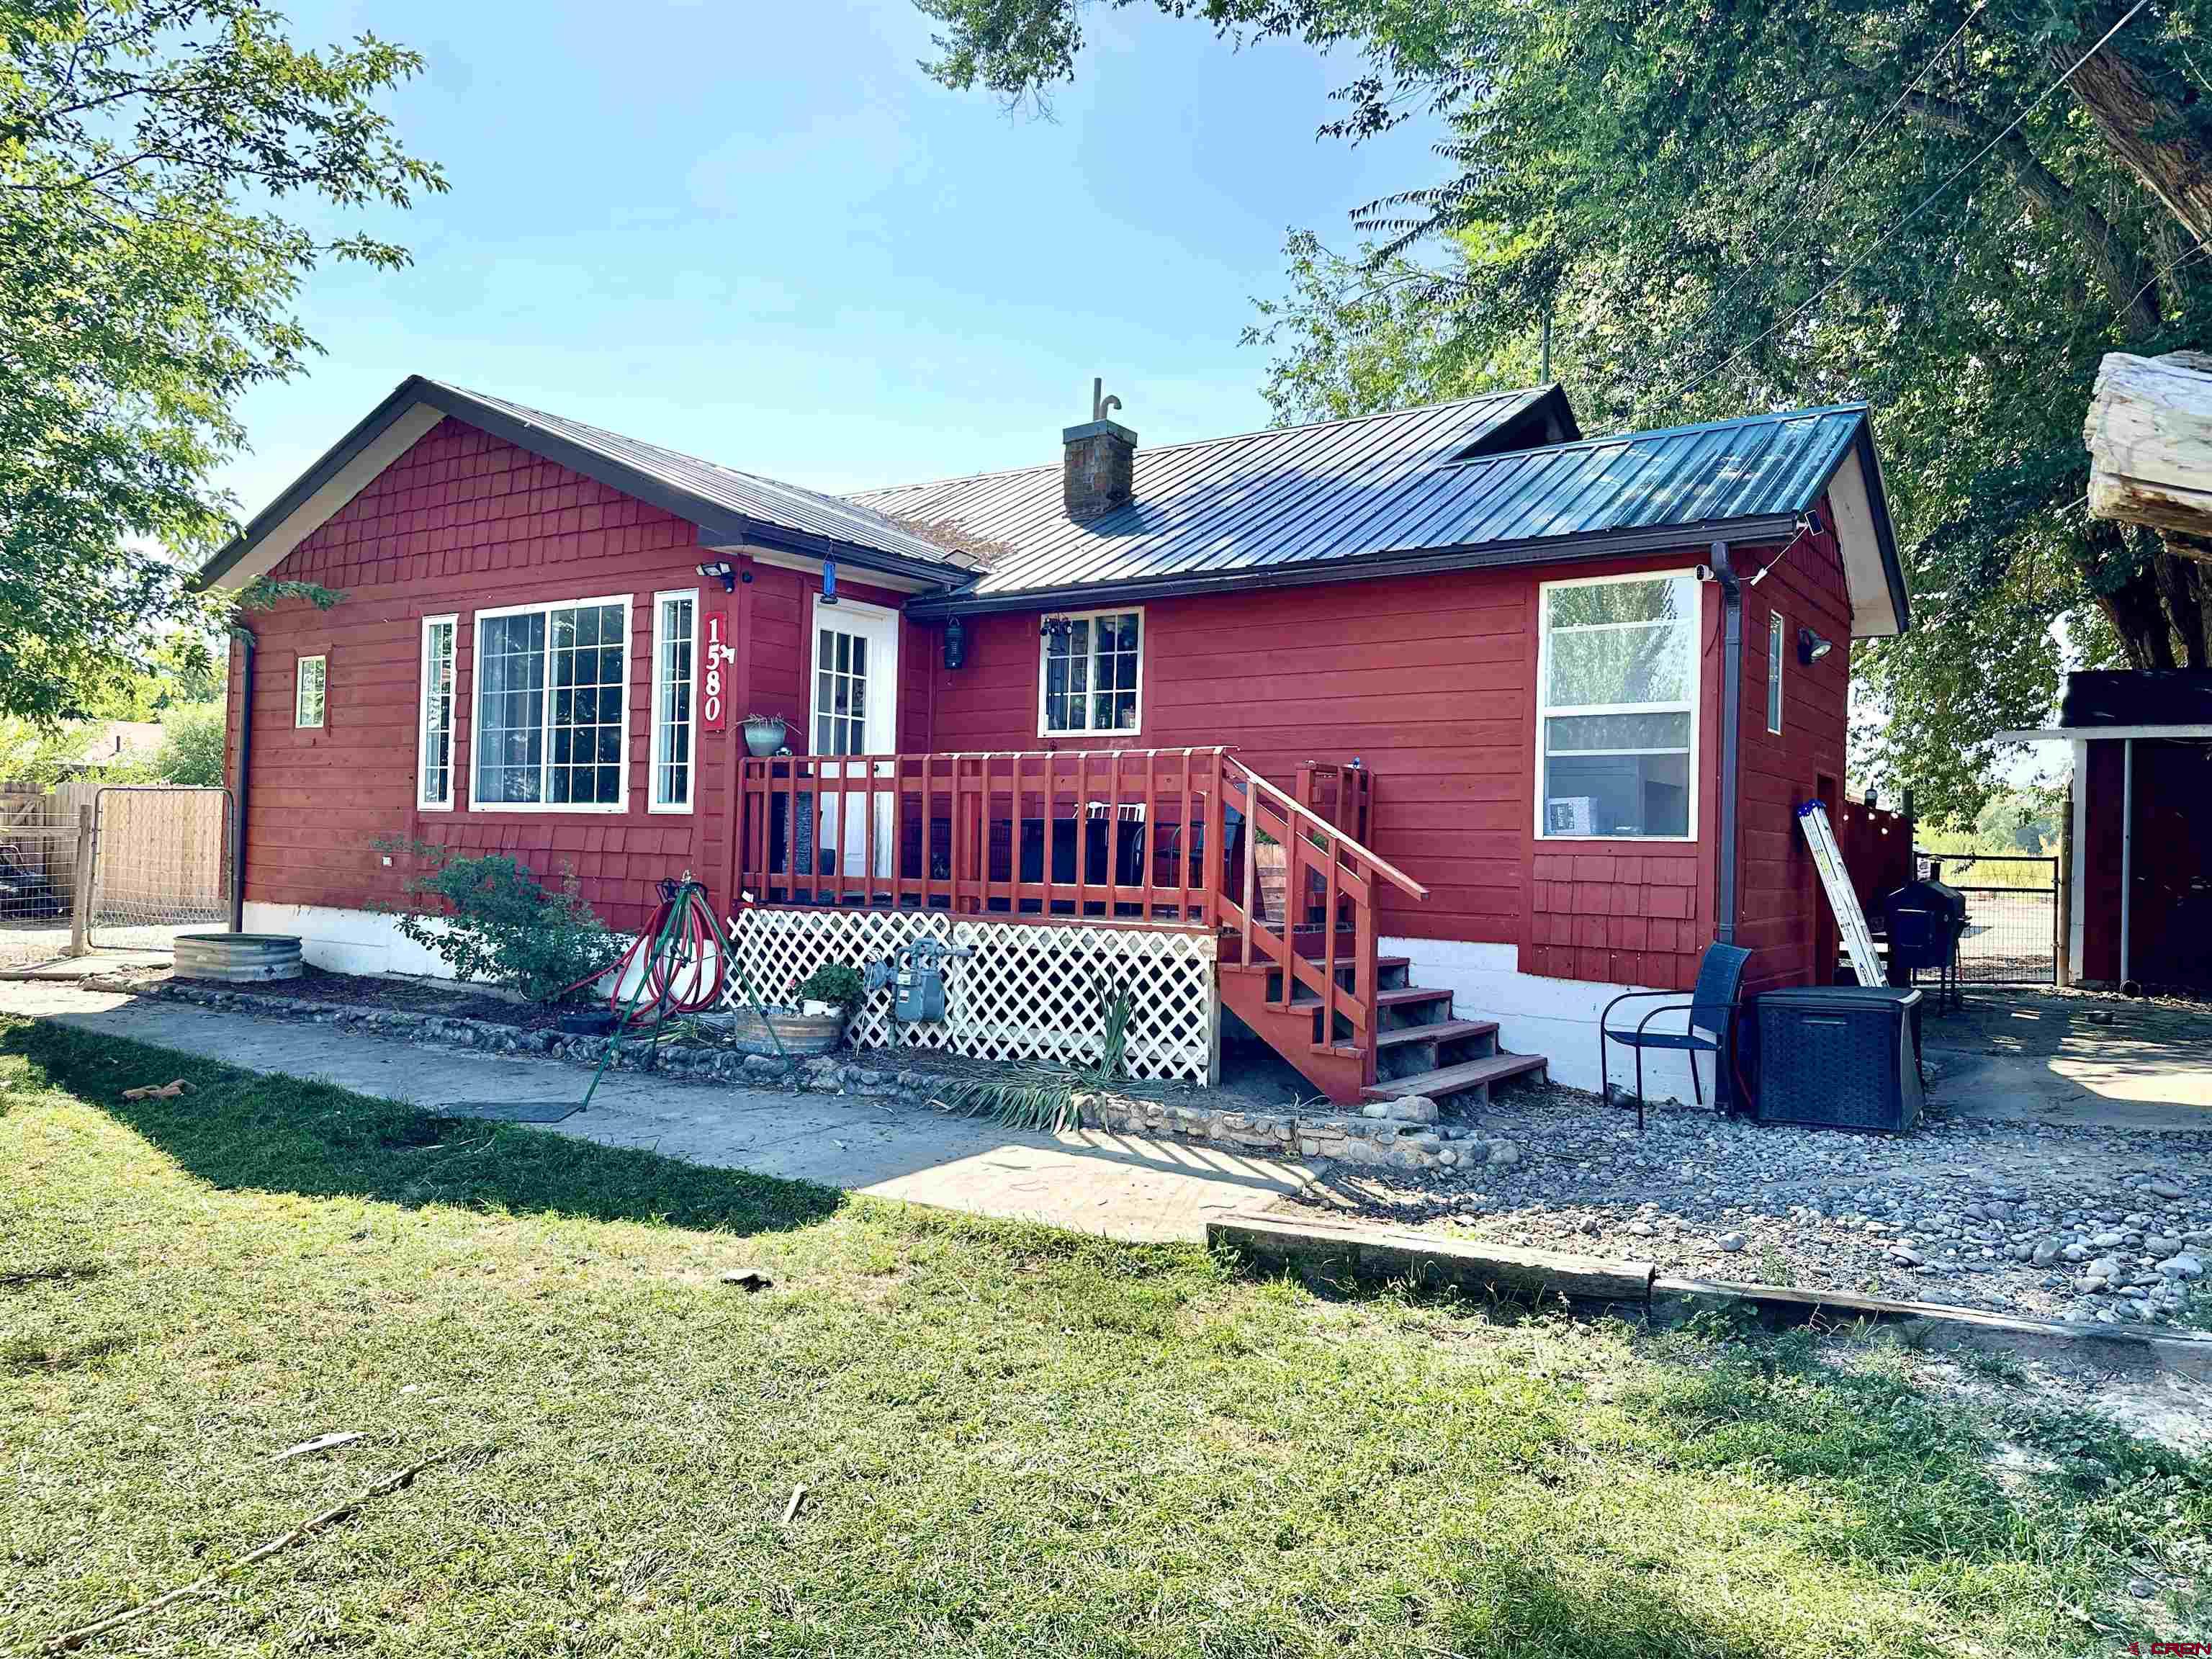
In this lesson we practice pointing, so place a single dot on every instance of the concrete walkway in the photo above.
(1122, 1186)
(2027, 1055)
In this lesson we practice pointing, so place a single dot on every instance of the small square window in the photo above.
(1091, 672)
(308, 691)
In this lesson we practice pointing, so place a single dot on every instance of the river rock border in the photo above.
(1399, 1133)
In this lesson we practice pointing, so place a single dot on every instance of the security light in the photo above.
(723, 571)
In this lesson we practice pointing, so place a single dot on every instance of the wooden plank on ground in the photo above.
(1388, 1254)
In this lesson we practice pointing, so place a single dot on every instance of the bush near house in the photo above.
(489, 918)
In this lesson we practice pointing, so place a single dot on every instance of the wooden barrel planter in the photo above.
(240, 958)
(803, 1035)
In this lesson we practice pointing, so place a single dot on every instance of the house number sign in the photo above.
(713, 680)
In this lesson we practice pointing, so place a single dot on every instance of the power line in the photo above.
(1831, 178)
(1927, 201)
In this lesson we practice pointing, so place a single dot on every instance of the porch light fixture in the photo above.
(723, 571)
(1811, 648)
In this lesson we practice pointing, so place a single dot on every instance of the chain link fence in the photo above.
(38, 872)
(2012, 915)
(162, 864)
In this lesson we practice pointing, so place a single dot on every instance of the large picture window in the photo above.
(674, 645)
(551, 725)
(1090, 674)
(433, 777)
(1616, 708)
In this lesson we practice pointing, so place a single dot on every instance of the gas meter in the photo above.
(916, 973)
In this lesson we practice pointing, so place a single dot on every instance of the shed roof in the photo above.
(1398, 488)
(2101, 699)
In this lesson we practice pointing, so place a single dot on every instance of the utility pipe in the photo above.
(244, 636)
(1731, 721)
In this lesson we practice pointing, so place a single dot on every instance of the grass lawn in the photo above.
(1015, 1441)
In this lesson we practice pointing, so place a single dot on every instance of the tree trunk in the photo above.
(2129, 109)
(2180, 574)
(2136, 607)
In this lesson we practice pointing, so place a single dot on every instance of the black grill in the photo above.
(1926, 921)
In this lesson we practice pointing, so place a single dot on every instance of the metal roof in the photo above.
(769, 500)
(729, 507)
(1378, 487)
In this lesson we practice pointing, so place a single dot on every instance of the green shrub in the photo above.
(491, 918)
(835, 981)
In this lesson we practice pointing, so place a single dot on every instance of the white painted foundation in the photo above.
(347, 941)
(1554, 1018)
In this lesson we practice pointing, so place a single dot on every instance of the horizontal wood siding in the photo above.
(1430, 681)
(1782, 902)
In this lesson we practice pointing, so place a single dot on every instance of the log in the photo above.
(2149, 436)
(1382, 1255)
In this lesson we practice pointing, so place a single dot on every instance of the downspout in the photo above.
(1731, 722)
(244, 636)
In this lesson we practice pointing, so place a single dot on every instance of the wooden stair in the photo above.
(1298, 951)
(1419, 1045)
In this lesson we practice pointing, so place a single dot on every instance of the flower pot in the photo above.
(764, 738)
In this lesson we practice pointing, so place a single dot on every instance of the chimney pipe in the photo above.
(1099, 472)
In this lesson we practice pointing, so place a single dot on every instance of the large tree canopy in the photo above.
(146, 280)
(1742, 205)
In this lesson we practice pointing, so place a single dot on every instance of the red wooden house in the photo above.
(1428, 730)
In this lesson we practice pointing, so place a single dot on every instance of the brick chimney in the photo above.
(1099, 472)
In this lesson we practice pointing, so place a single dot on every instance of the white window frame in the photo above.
(1544, 708)
(299, 720)
(657, 756)
(1045, 728)
(1777, 648)
(423, 802)
(620, 803)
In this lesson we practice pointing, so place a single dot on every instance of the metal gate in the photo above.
(161, 863)
(2012, 914)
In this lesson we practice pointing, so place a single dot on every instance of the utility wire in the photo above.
(1927, 201)
(1833, 177)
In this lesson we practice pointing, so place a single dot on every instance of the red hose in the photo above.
(696, 938)
(666, 954)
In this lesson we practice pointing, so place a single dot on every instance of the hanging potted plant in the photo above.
(764, 734)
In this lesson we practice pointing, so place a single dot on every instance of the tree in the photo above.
(191, 748)
(1747, 206)
(146, 280)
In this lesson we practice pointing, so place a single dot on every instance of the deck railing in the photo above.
(1188, 836)
(1111, 833)
(1325, 919)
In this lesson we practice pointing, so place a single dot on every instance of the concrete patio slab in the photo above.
(1120, 1186)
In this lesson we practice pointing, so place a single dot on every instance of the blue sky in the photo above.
(759, 232)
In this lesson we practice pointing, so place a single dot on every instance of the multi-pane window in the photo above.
(1775, 634)
(841, 693)
(434, 782)
(1615, 707)
(675, 648)
(1091, 672)
(309, 687)
(550, 705)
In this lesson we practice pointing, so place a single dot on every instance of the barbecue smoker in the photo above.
(1926, 920)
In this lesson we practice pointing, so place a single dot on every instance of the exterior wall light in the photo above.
(1811, 648)
(723, 571)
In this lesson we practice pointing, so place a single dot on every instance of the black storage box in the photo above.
(1843, 1056)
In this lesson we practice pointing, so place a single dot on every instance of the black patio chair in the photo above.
(1718, 990)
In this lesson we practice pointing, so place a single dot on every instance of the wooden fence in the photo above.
(38, 837)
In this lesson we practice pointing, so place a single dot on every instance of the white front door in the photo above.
(854, 711)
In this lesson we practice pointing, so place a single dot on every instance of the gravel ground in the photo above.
(2058, 1222)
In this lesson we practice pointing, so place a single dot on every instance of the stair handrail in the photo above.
(1383, 865)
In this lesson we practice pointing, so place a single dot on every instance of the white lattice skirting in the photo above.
(1030, 991)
